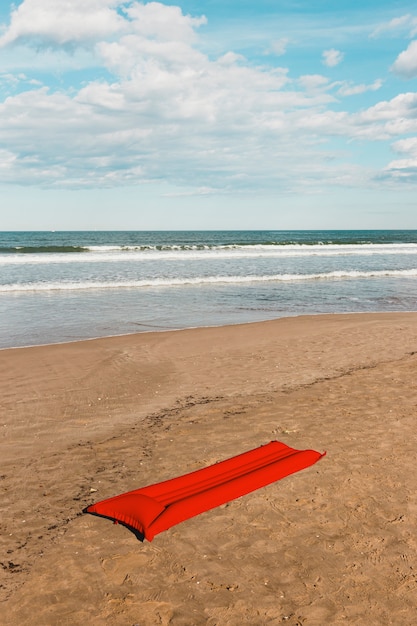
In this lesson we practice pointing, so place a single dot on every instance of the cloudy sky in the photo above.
(269, 114)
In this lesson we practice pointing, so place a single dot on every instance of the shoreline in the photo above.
(86, 420)
(185, 328)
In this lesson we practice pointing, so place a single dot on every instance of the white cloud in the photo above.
(383, 121)
(11, 79)
(51, 21)
(403, 106)
(278, 46)
(403, 170)
(18, 79)
(171, 113)
(7, 160)
(312, 82)
(220, 130)
(406, 62)
(166, 23)
(332, 57)
(398, 25)
(349, 89)
(406, 146)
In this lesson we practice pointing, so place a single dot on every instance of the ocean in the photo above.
(65, 286)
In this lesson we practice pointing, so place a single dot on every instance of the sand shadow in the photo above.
(139, 536)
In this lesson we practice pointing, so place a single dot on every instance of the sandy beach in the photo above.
(332, 544)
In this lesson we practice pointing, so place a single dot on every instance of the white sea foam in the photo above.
(112, 254)
(203, 280)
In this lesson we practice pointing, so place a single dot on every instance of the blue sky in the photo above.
(141, 115)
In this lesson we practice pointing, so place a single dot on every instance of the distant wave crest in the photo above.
(42, 249)
(76, 254)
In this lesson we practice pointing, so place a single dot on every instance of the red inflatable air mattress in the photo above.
(155, 508)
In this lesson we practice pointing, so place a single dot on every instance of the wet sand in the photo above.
(332, 544)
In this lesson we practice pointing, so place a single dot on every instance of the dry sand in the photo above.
(333, 544)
